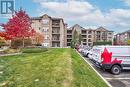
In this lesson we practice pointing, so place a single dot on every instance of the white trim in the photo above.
(96, 71)
(118, 78)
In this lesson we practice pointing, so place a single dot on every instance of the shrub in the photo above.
(34, 50)
(38, 45)
(72, 44)
(103, 43)
(8, 51)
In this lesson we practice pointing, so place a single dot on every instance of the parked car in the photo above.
(113, 58)
(80, 48)
(85, 51)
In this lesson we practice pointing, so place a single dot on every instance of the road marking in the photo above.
(95, 70)
(117, 78)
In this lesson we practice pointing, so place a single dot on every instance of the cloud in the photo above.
(84, 13)
(127, 2)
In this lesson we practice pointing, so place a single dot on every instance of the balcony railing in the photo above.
(55, 39)
(55, 32)
(55, 25)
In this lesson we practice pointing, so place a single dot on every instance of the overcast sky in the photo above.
(111, 14)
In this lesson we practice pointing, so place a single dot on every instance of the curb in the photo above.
(10, 54)
(109, 85)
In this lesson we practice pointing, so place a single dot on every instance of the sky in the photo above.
(112, 14)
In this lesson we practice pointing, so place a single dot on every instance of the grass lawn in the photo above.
(53, 68)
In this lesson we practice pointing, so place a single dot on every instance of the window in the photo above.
(89, 32)
(45, 21)
(45, 30)
(89, 44)
(89, 36)
(89, 40)
(84, 44)
(68, 44)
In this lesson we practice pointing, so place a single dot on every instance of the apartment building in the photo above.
(122, 38)
(56, 33)
(89, 36)
(53, 30)
(102, 34)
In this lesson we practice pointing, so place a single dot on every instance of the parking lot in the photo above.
(122, 80)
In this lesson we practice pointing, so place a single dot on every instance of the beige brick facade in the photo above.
(89, 36)
(56, 33)
(53, 30)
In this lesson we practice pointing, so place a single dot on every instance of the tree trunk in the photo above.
(23, 42)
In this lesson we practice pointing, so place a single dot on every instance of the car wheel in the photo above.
(116, 69)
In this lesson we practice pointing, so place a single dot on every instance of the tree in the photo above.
(80, 38)
(74, 39)
(128, 42)
(2, 41)
(19, 26)
(37, 38)
(5, 36)
(75, 36)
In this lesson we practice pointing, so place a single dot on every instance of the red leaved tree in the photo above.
(19, 26)
(37, 38)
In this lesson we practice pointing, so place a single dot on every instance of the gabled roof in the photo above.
(102, 29)
(39, 18)
(76, 25)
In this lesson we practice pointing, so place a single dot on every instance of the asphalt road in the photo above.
(122, 80)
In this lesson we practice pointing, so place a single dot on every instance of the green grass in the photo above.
(34, 50)
(53, 68)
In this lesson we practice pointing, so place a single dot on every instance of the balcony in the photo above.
(69, 32)
(84, 40)
(55, 32)
(83, 36)
(83, 32)
(69, 40)
(69, 36)
(55, 23)
(55, 44)
(55, 38)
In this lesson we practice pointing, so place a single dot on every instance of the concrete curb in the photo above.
(96, 71)
(10, 54)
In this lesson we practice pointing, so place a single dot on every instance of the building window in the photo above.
(89, 36)
(89, 32)
(45, 21)
(110, 33)
(84, 40)
(68, 40)
(45, 30)
(69, 36)
(68, 44)
(84, 44)
(89, 44)
(69, 31)
(89, 40)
